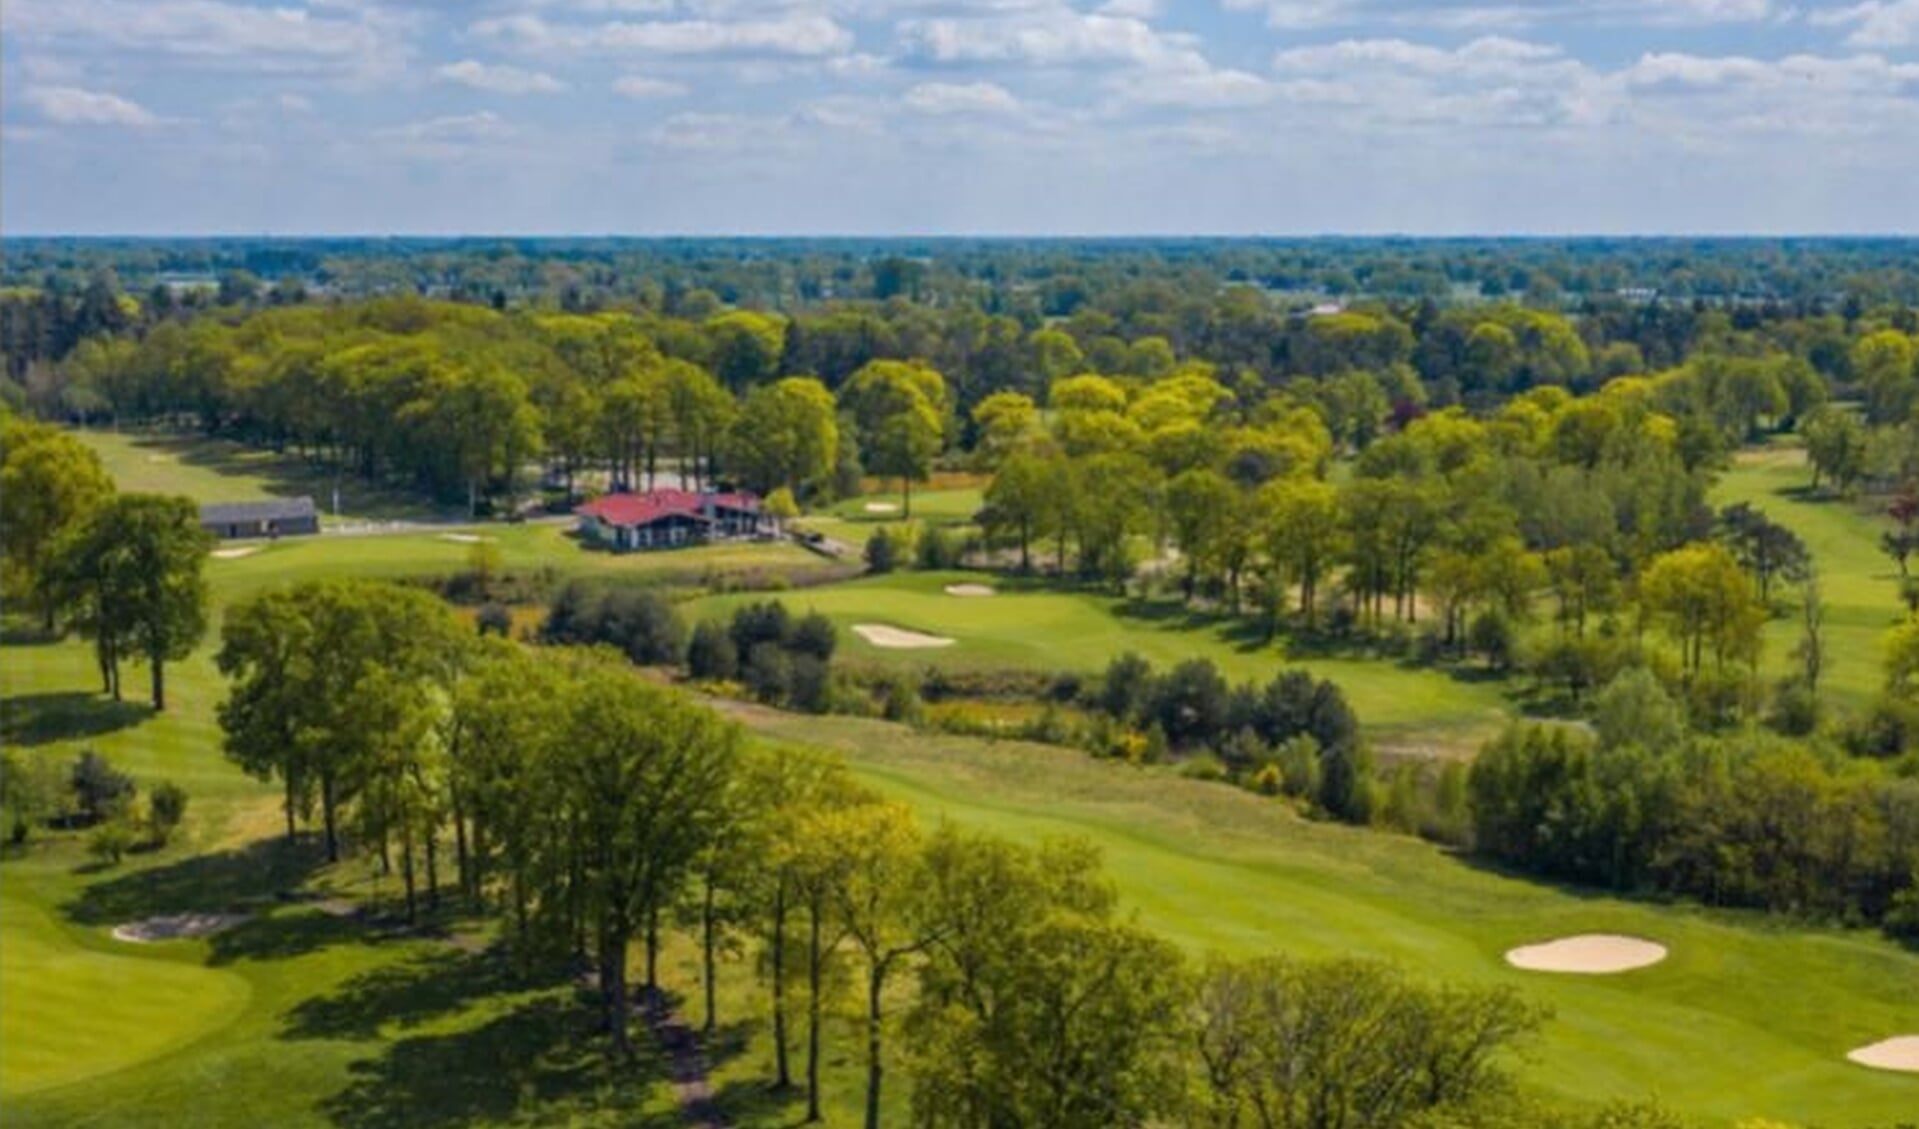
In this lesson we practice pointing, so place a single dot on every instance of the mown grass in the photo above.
(221, 470)
(1035, 626)
(300, 1018)
(1859, 583)
(1748, 1016)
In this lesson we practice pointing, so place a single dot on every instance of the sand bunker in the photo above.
(175, 926)
(969, 590)
(464, 538)
(235, 553)
(1898, 1053)
(1590, 953)
(898, 639)
(882, 507)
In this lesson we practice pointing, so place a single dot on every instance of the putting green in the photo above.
(92, 1012)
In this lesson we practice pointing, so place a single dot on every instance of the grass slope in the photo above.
(1748, 1016)
(1044, 628)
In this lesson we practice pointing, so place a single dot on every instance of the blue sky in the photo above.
(958, 116)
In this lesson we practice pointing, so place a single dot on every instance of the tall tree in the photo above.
(136, 572)
(50, 485)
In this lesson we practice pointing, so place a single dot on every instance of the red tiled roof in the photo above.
(647, 508)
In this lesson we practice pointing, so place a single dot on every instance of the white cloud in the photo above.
(482, 126)
(641, 86)
(798, 34)
(212, 33)
(1480, 14)
(70, 105)
(498, 78)
(1877, 24)
(1052, 35)
(962, 98)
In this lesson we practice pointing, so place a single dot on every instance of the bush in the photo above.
(767, 621)
(110, 842)
(641, 622)
(166, 808)
(711, 656)
(1126, 688)
(900, 702)
(938, 550)
(768, 673)
(809, 683)
(882, 552)
(1203, 766)
(29, 795)
(1189, 704)
(100, 791)
(814, 635)
(494, 619)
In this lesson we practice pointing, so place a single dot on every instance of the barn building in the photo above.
(276, 517)
(665, 519)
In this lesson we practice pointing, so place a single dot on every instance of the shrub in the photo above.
(1203, 766)
(711, 656)
(494, 619)
(1189, 704)
(809, 683)
(882, 552)
(100, 791)
(166, 808)
(768, 673)
(939, 550)
(814, 635)
(641, 622)
(767, 621)
(1124, 691)
(900, 702)
(110, 842)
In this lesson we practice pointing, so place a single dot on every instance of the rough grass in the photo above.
(1045, 628)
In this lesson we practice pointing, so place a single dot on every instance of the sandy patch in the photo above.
(235, 553)
(882, 507)
(1901, 1052)
(174, 926)
(973, 590)
(897, 638)
(1591, 954)
(160, 458)
(338, 907)
(464, 538)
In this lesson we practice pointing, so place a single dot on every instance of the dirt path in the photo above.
(688, 1064)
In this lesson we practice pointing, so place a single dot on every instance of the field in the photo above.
(298, 1017)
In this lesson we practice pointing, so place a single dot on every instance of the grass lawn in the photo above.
(1035, 626)
(221, 470)
(1859, 583)
(1747, 1017)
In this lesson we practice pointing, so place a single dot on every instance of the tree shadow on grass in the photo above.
(65, 715)
(250, 879)
(543, 1062)
(432, 984)
(753, 1102)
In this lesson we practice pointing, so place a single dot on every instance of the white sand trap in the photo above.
(882, 507)
(974, 590)
(897, 638)
(236, 552)
(1901, 1052)
(464, 538)
(1592, 954)
(174, 926)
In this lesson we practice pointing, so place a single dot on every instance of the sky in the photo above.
(983, 117)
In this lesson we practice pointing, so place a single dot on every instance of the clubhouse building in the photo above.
(666, 519)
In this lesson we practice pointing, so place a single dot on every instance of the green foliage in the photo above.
(101, 793)
(109, 843)
(639, 622)
(166, 808)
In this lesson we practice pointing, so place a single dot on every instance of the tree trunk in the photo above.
(782, 1068)
(432, 872)
(289, 807)
(815, 961)
(1025, 542)
(875, 982)
(653, 950)
(159, 667)
(330, 816)
(613, 988)
(406, 875)
(707, 930)
(906, 497)
(463, 862)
